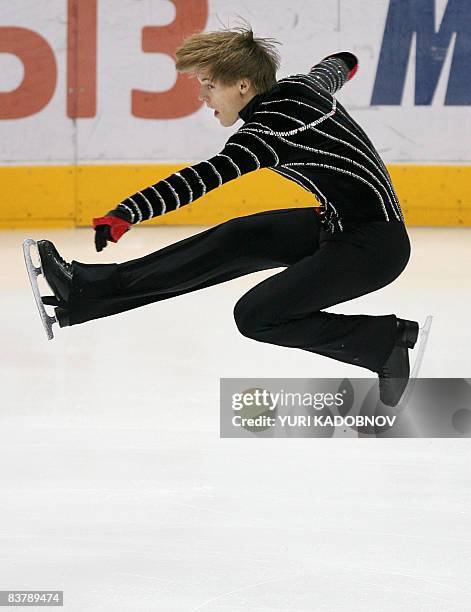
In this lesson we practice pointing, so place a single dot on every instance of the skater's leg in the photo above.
(286, 308)
(237, 247)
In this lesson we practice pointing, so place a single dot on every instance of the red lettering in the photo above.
(182, 99)
(81, 58)
(40, 73)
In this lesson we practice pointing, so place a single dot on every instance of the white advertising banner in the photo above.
(93, 81)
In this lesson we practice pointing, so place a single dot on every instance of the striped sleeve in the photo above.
(242, 153)
(333, 71)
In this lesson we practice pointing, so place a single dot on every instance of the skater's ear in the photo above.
(244, 85)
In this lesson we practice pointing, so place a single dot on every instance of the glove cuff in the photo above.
(352, 72)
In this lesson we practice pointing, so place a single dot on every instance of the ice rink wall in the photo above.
(92, 109)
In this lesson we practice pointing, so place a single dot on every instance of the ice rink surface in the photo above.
(117, 489)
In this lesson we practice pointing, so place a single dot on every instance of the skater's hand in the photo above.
(350, 60)
(110, 228)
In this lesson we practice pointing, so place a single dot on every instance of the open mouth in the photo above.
(216, 113)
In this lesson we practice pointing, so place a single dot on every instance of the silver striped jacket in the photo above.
(299, 130)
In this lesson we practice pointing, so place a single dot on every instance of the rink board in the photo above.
(64, 196)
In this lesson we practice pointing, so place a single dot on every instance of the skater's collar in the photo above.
(252, 106)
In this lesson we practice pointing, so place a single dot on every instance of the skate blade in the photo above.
(33, 273)
(424, 333)
(423, 338)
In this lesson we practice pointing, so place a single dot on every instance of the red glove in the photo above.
(110, 228)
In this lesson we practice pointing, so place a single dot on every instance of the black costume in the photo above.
(354, 244)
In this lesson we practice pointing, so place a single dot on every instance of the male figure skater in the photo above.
(352, 244)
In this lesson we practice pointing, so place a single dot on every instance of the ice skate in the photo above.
(395, 373)
(423, 338)
(58, 275)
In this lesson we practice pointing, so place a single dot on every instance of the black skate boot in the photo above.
(394, 374)
(58, 274)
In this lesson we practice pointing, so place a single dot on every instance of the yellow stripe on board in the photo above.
(69, 196)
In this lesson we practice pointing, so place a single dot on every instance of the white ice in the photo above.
(117, 489)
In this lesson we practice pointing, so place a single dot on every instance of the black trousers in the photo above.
(287, 309)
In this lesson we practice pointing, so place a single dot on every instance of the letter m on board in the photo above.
(408, 17)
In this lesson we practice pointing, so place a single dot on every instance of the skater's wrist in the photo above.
(121, 212)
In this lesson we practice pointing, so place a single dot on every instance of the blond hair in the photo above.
(228, 55)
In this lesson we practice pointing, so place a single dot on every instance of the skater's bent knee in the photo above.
(243, 320)
(247, 321)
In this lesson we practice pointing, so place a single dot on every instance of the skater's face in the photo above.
(226, 101)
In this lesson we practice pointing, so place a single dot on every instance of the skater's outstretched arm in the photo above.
(244, 152)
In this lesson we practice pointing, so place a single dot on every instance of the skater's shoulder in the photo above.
(293, 88)
(298, 84)
(281, 88)
(277, 93)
